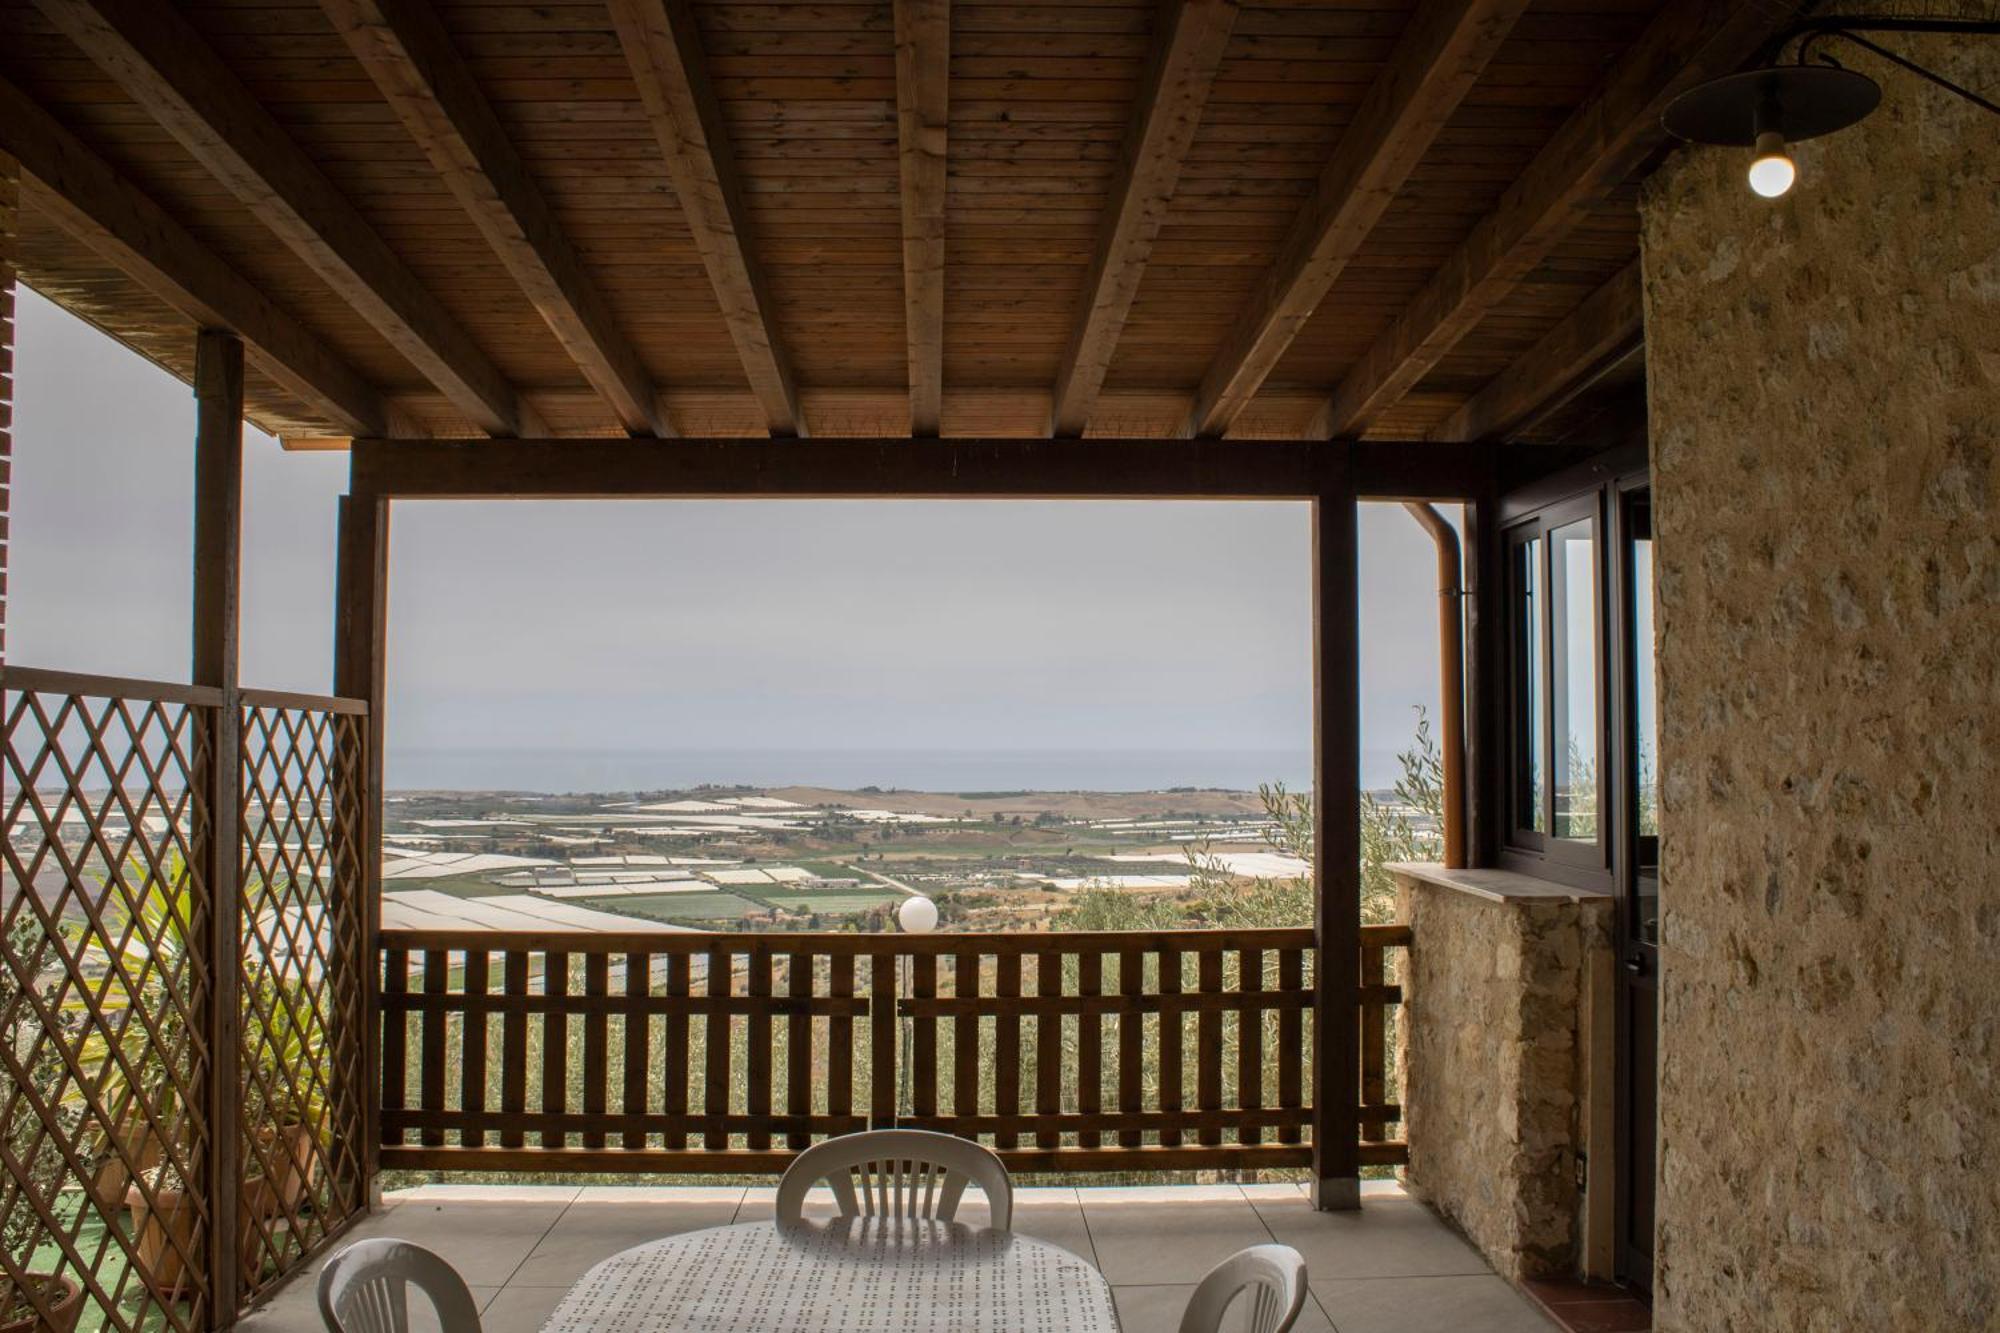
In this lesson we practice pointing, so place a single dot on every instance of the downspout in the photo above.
(1451, 678)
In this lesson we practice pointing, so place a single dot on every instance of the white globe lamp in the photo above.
(917, 916)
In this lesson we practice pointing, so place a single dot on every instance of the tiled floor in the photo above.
(1390, 1268)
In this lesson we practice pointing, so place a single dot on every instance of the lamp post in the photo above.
(915, 915)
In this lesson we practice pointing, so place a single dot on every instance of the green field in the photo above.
(831, 902)
(675, 906)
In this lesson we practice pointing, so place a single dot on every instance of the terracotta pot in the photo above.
(287, 1155)
(135, 1144)
(161, 1235)
(62, 1316)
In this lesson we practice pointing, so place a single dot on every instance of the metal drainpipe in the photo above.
(1451, 678)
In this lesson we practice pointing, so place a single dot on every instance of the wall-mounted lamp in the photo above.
(1772, 108)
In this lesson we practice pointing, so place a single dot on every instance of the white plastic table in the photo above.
(857, 1275)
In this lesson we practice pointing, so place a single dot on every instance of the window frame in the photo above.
(1541, 852)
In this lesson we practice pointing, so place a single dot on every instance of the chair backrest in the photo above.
(1276, 1278)
(365, 1289)
(897, 1173)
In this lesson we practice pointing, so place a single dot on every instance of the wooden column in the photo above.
(1336, 1166)
(1485, 675)
(218, 564)
(10, 241)
(360, 605)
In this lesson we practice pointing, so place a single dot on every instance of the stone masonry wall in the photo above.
(1825, 404)
(1494, 994)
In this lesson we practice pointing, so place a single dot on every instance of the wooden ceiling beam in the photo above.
(163, 63)
(1186, 53)
(923, 114)
(1599, 334)
(1596, 150)
(662, 44)
(409, 53)
(87, 198)
(1436, 62)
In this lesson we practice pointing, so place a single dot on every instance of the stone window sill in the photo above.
(1500, 886)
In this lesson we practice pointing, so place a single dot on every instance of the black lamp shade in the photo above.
(1798, 101)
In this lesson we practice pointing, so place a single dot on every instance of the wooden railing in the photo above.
(727, 1053)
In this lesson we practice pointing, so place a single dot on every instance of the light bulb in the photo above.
(917, 916)
(1772, 172)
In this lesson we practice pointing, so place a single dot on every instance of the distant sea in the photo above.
(557, 771)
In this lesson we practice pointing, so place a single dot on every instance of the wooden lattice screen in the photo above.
(110, 1196)
(304, 946)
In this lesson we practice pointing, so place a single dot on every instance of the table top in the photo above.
(847, 1275)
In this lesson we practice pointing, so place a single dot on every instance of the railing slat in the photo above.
(1131, 1041)
(437, 982)
(923, 1037)
(1291, 1038)
(395, 1038)
(638, 1041)
(1048, 1051)
(1208, 1045)
(757, 1079)
(555, 1046)
(1006, 1043)
(840, 1040)
(513, 1045)
(472, 1053)
(1089, 1043)
(1173, 1023)
(1373, 1034)
(674, 1059)
(715, 1048)
(798, 1048)
(882, 1040)
(596, 1039)
(965, 1036)
(1249, 1044)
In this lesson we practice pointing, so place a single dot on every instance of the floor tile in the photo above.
(520, 1309)
(589, 1232)
(1158, 1309)
(1385, 1237)
(484, 1240)
(1428, 1305)
(1143, 1240)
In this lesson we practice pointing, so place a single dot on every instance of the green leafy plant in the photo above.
(38, 1115)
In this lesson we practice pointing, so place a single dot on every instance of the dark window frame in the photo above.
(1585, 864)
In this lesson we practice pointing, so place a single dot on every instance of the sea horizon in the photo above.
(577, 771)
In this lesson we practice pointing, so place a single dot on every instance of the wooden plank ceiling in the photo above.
(1265, 218)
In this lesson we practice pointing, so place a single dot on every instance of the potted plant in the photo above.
(165, 1214)
(284, 1102)
(35, 1119)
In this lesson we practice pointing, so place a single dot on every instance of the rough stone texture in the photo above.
(1825, 399)
(1493, 998)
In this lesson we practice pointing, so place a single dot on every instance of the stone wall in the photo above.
(1497, 1002)
(1825, 403)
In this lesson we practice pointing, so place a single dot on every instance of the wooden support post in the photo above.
(10, 244)
(360, 603)
(1336, 1164)
(218, 564)
(1485, 662)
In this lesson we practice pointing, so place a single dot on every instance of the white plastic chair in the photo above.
(1276, 1277)
(365, 1289)
(909, 1173)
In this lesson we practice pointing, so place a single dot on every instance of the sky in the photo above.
(781, 640)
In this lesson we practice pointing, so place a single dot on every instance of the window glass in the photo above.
(1528, 805)
(1573, 663)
